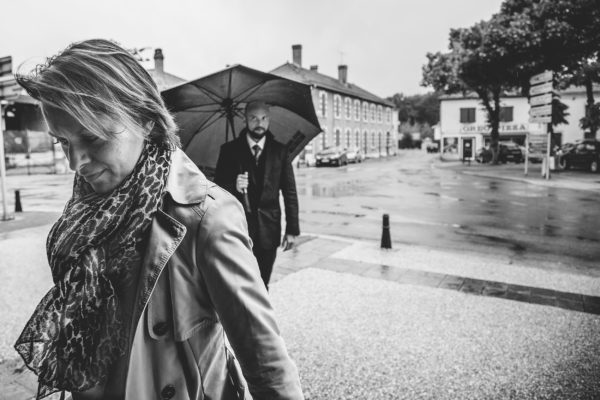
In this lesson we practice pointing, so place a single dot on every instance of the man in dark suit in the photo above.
(254, 168)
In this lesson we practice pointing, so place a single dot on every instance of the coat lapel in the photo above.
(165, 236)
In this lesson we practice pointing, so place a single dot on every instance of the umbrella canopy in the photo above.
(210, 111)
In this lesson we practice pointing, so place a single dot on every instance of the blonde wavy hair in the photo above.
(98, 77)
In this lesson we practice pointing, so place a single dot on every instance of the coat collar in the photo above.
(186, 184)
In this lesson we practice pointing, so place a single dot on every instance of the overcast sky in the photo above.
(383, 42)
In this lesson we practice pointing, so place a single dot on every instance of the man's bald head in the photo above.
(257, 119)
(256, 105)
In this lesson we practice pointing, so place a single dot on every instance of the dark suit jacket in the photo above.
(264, 220)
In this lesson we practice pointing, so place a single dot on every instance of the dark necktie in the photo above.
(256, 149)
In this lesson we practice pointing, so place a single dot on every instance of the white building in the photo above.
(463, 119)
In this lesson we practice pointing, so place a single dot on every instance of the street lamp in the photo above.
(5, 216)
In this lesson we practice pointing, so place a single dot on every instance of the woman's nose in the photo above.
(78, 156)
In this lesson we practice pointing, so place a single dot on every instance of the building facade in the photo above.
(350, 116)
(25, 137)
(463, 118)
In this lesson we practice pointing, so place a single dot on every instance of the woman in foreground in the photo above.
(154, 277)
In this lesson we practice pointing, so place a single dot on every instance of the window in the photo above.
(366, 141)
(467, 115)
(337, 106)
(338, 139)
(347, 108)
(506, 114)
(357, 138)
(365, 111)
(323, 104)
(372, 116)
(388, 115)
(324, 138)
(373, 139)
(357, 110)
(348, 134)
(379, 114)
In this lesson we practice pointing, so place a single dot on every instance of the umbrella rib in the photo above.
(213, 96)
(229, 86)
(244, 95)
(204, 125)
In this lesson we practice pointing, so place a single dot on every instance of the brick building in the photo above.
(349, 115)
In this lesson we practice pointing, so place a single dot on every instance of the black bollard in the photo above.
(18, 207)
(386, 240)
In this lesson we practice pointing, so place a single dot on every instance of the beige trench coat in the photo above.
(201, 289)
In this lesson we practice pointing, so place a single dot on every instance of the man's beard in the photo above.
(257, 135)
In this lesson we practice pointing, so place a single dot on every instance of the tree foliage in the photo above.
(524, 38)
(417, 109)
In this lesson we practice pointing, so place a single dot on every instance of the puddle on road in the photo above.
(342, 213)
(443, 196)
(325, 190)
(549, 230)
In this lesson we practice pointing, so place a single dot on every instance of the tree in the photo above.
(479, 61)
(524, 38)
(418, 108)
(567, 38)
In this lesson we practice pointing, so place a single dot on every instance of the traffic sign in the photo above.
(540, 100)
(539, 111)
(539, 78)
(546, 119)
(541, 89)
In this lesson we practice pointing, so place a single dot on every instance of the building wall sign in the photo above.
(503, 128)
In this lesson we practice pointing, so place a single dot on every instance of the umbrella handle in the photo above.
(246, 201)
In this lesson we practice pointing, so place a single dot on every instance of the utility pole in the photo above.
(5, 216)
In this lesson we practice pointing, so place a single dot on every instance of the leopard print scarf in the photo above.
(95, 249)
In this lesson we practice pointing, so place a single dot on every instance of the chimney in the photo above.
(343, 73)
(159, 61)
(297, 54)
(314, 68)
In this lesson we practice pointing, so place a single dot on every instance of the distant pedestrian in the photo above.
(255, 168)
(151, 262)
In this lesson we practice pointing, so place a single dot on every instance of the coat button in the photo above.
(168, 392)
(160, 328)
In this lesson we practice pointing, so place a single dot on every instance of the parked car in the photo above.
(355, 155)
(509, 151)
(332, 156)
(584, 154)
(432, 147)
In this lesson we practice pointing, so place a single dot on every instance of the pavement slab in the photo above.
(469, 265)
(355, 337)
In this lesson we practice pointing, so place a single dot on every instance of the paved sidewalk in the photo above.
(409, 267)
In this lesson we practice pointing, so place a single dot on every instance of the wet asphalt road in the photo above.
(441, 208)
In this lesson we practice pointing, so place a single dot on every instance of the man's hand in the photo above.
(241, 183)
(288, 242)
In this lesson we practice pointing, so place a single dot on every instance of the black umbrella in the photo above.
(210, 111)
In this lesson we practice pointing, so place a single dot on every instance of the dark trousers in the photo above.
(266, 259)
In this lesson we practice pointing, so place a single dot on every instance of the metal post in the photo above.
(5, 216)
(526, 153)
(386, 240)
(549, 133)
